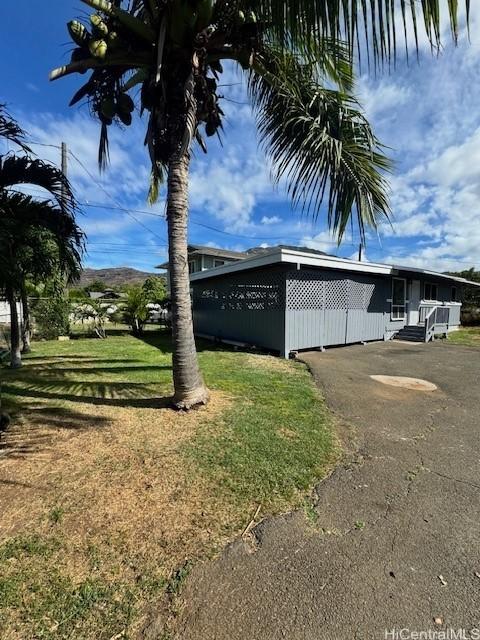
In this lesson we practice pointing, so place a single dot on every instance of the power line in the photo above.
(92, 177)
(209, 227)
(43, 144)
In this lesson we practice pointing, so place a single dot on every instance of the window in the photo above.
(431, 291)
(218, 263)
(453, 295)
(398, 299)
(191, 266)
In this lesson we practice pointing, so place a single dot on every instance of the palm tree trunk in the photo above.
(15, 355)
(26, 327)
(187, 379)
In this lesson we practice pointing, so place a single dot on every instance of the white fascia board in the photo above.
(332, 262)
(436, 274)
(288, 256)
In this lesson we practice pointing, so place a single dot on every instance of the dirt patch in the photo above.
(415, 384)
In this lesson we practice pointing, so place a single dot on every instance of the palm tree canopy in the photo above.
(37, 239)
(17, 170)
(297, 58)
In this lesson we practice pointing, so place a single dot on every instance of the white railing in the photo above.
(433, 318)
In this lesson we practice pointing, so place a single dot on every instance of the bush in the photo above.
(52, 318)
(135, 311)
(470, 316)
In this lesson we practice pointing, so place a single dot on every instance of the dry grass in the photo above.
(125, 481)
(105, 491)
(121, 492)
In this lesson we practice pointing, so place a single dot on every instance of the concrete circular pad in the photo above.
(416, 384)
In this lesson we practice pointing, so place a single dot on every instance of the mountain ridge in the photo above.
(114, 276)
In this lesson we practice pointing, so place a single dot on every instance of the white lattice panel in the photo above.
(305, 290)
(242, 292)
(313, 290)
(336, 294)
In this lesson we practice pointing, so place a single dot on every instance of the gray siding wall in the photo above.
(245, 307)
(328, 308)
(284, 309)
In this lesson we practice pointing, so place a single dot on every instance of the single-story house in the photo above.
(288, 299)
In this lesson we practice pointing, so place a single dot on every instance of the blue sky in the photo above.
(427, 114)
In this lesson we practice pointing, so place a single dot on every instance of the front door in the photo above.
(414, 302)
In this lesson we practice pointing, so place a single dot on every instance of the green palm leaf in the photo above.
(41, 237)
(319, 143)
(16, 170)
(11, 130)
(370, 22)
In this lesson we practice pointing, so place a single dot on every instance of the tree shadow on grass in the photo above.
(111, 394)
(162, 340)
(32, 428)
(65, 357)
(95, 370)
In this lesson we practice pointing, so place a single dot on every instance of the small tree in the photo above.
(135, 312)
(94, 313)
(52, 312)
(155, 289)
(37, 239)
(96, 285)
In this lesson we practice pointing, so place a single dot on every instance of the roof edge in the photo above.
(286, 256)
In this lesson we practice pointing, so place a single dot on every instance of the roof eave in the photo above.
(289, 256)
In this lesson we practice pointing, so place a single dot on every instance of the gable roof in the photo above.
(282, 255)
(203, 250)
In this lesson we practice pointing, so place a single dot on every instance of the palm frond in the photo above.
(373, 23)
(11, 130)
(319, 143)
(16, 170)
(44, 238)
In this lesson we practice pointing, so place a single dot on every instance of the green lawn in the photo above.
(467, 336)
(109, 495)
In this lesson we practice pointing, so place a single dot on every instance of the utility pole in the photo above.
(64, 171)
(360, 251)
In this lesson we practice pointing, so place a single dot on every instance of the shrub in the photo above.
(52, 317)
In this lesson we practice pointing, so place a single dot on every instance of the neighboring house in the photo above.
(288, 299)
(201, 258)
(108, 294)
(5, 311)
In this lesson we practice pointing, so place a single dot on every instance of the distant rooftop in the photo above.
(198, 250)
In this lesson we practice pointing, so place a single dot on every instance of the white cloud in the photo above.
(102, 227)
(230, 186)
(384, 100)
(324, 241)
(270, 220)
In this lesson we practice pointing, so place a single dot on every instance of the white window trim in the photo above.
(403, 318)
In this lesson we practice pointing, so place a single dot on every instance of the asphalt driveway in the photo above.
(397, 540)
